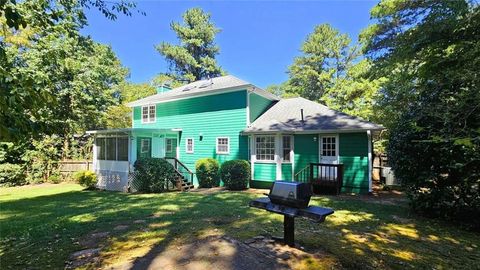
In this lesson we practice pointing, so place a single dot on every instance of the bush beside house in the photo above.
(87, 179)
(207, 170)
(235, 174)
(154, 175)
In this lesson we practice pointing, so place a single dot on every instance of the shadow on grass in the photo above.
(43, 231)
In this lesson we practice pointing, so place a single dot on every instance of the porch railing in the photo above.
(322, 175)
(181, 168)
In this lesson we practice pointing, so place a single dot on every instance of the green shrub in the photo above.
(154, 175)
(86, 178)
(11, 175)
(235, 174)
(207, 172)
(55, 178)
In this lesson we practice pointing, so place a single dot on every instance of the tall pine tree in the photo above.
(194, 58)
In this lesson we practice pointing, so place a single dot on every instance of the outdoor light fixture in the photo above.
(314, 138)
(201, 136)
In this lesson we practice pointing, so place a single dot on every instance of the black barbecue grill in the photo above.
(291, 200)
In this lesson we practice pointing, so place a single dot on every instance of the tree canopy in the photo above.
(429, 53)
(53, 79)
(194, 58)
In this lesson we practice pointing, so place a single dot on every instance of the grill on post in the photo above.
(291, 200)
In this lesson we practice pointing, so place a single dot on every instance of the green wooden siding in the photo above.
(306, 151)
(258, 105)
(265, 172)
(287, 171)
(354, 156)
(209, 117)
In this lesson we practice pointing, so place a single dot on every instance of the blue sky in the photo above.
(258, 40)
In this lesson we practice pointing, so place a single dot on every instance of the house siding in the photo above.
(306, 151)
(353, 150)
(287, 171)
(222, 115)
(265, 172)
(258, 105)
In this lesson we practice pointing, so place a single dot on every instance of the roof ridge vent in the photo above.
(188, 88)
(206, 83)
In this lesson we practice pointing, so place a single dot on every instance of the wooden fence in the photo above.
(70, 166)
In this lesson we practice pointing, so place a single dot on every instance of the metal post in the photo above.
(289, 230)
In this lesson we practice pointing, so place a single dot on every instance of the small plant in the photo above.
(154, 175)
(86, 178)
(55, 178)
(207, 172)
(235, 174)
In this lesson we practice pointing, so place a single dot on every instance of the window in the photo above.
(223, 145)
(169, 147)
(265, 147)
(122, 148)
(100, 148)
(287, 148)
(329, 148)
(189, 145)
(111, 149)
(148, 114)
(145, 146)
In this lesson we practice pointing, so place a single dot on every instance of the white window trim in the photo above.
(149, 120)
(337, 146)
(228, 146)
(275, 150)
(141, 145)
(186, 146)
(291, 148)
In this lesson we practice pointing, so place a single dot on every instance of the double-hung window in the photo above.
(265, 148)
(148, 114)
(144, 146)
(189, 144)
(223, 145)
(287, 148)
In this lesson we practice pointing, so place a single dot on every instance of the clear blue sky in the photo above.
(258, 40)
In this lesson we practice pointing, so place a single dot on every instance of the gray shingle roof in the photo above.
(198, 88)
(285, 116)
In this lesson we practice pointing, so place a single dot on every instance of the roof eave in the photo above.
(315, 131)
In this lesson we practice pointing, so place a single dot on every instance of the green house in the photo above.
(227, 118)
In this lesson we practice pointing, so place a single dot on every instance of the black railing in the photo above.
(322, 175)
(181, 169)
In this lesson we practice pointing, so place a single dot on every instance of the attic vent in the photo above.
(188, 88)
(206, 84)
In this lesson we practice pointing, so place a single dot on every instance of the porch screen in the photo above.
(122, 148)
(100, 144)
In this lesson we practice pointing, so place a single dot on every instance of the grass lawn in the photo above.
(42, 225)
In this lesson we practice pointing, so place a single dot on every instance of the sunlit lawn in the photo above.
(41, 226)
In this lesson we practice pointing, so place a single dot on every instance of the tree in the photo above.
(120, 116)
(429, 52)
(326, 57)
(194, 58)
(40, 40)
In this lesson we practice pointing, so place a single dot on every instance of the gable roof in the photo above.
(204, 87)
(285, 116)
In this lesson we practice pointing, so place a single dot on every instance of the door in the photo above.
(170, 147)
(328, 155)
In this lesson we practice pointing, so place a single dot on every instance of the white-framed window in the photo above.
(144, 146)
(287, 148)
(169, 147)
(148, 113)
(329, 146)
(223, 145)
(265, 148)
(189, 145)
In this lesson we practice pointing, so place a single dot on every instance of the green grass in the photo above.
(41, 226)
